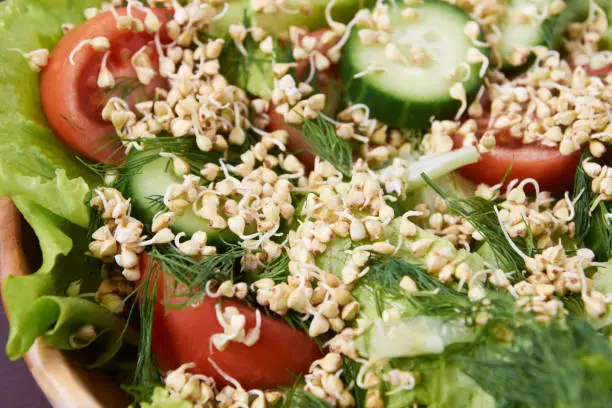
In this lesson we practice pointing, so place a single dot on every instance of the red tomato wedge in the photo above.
(553, 171)
(182, 336)
(70, 96)
(296, 142)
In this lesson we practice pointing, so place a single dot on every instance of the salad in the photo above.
(308, 203)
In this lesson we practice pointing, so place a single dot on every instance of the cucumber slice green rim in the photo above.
(402, 92)
(519, 34)
(152, 181)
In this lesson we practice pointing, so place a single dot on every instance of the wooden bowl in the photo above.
(65, 383)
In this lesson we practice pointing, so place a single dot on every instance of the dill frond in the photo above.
(297, 397)
(325, 143)
(593, 230)
(384, 278)
(350, 371)
(185, 148)
(277, 270)
(146, 375)
(156, 203)
(481, 214)
(559, 364)
(189, 276)
(124, 87)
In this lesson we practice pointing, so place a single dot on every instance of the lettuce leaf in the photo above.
(162, 399)
(50, 187)
(33, 314)
(443, 385)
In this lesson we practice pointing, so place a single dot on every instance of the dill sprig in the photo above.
(559, 364)
(185, 148)
(238, 66)
(593, 230)
(481, 214)
(146, 375)
(189, 276)
(156, 203)
(384, 277)
(277, 270)
(297, 397)
(325, 143)
(123, 87)
(350, 371)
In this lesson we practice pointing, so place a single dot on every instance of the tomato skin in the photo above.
(182, 336)
(553, 171)
(70, 96)
(297, 142)
(598, 72)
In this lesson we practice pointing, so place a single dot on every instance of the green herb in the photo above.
(350, 370)
(70, 123)
(593, 229)
(384, 277)
(124, 87)
(185, 148)
(189, 276)
(146, 376)
(110, 141)
(156, 203)
(325, 143)
(239, 65)
(277, 270)
(415, 137)
(297, 397)
(560, 364)
(481, 214)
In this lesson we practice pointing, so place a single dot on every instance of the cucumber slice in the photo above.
(251, 74)
(152, 180)
(517, 33)
(404, 95)
(279, 23)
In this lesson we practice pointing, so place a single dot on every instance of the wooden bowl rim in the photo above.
(64, 382)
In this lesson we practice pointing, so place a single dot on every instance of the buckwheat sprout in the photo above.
(288, 11)
(260, 132)
(222, 12)
(345, 36)
(313, 69)
(362, 372)
(328, 17)
(510, 242)
(404, 387)
(129, 8)
(216, 103)
(370, 69)
(583, 282)
(366, 109)
(76, 49)
(535, 185)
(547, 54)
(467, 71)
(356, 136)
(113, 11)
(225, 375)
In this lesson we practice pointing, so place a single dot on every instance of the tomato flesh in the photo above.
(553, 171)
(70, 96)
(182, 336)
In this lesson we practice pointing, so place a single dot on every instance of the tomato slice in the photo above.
(70, 96)
(553, 171)
(326, 79)
(182, 336)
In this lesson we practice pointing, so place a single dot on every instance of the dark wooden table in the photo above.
(17, 387)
